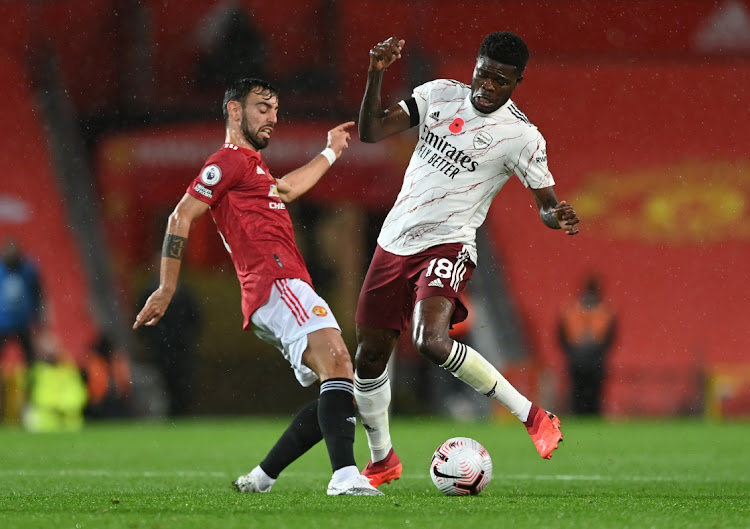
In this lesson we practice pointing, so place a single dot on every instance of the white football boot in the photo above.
(357, 485)
(255, 481)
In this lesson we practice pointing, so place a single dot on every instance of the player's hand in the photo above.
(155, 307)
(567, 217)
(385, 53)
(338, 137)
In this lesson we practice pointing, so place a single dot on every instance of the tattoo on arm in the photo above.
(174, 246)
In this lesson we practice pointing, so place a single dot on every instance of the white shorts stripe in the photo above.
(292, 312)
(293, 297)
(292, 301)
(459, 270)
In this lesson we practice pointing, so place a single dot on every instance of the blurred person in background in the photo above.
(472, 139)
(279, 304)
(172, 344)
(57, 391)
(228, 45)
(21, 315)
(20, 299)
(586, 332)
(108, 378)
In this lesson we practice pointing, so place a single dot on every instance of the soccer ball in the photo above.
(461, 467)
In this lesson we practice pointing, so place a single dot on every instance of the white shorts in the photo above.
(292, 311)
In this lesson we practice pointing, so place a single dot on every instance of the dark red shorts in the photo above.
(395, 283)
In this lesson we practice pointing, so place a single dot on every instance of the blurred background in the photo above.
(110, 107)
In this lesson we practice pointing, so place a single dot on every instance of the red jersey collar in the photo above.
(245, 150)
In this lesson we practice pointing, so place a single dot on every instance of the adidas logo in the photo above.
(352, 420)
(435, 115)
(259, 170)
(436, 283)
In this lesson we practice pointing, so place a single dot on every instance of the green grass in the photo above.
(665, 474)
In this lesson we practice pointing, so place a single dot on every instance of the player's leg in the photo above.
(302, 434)
(372, 387)
(327, 355)
(372, 390)
(330, 417)
(384, 303)
(300, 324)
(443, 273)
(431, 338)
(432, 318)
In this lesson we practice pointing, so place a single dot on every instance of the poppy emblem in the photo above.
(457, 126)
(319, 311)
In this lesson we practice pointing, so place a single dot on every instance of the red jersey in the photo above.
(252, 221)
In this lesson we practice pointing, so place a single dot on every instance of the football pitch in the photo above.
(635, 474)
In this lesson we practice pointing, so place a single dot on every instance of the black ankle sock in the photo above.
(302, 434)
(337, 418)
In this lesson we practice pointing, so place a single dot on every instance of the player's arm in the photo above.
(554, 214)
(374, 122)
(173, 250)
(295, 184)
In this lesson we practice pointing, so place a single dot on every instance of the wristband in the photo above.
(329, 155)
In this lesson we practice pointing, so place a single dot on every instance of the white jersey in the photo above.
(461, 161)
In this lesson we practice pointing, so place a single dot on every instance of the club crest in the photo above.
(482, 140)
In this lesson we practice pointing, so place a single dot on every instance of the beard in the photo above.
(252, 138)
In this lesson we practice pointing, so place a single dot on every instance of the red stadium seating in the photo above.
(32, 211)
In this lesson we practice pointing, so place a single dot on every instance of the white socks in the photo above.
(373, 399)
(374, 395)
(345, 473)
(263, 480)
(469, 366)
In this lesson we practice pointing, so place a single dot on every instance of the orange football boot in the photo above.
(383, 471)
(544, 429)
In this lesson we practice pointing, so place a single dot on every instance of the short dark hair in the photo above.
(505, 47)
(238, 90)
